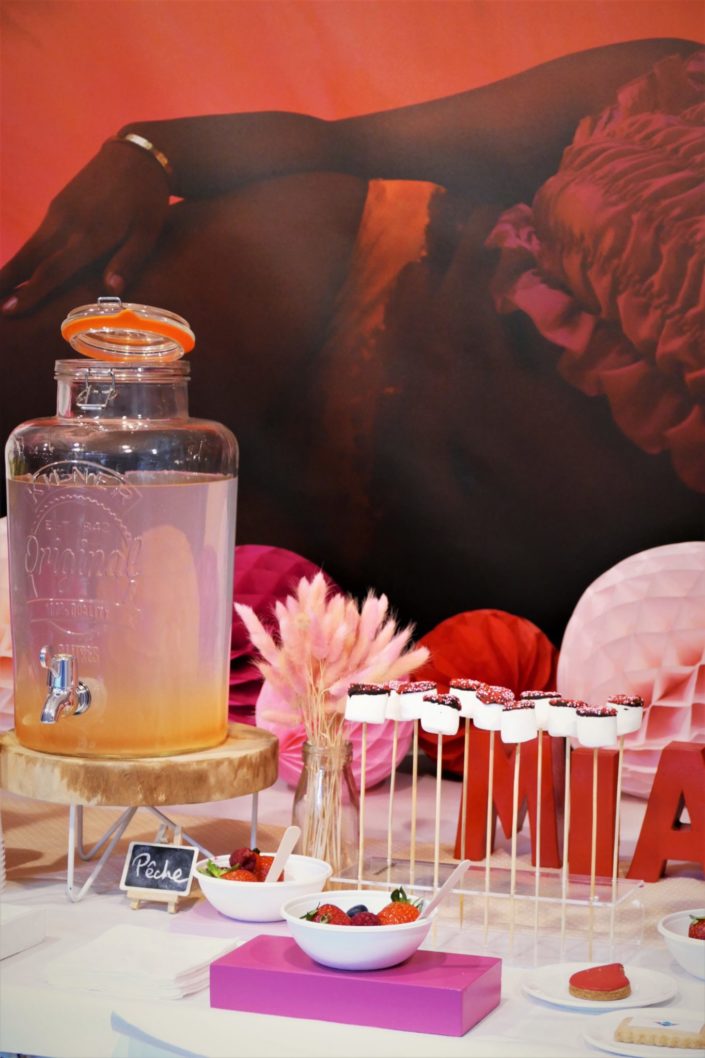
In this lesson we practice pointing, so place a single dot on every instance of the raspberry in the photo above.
(240, 875)
(400, 910)
(245, 858)
(328, 914)
(365, 918)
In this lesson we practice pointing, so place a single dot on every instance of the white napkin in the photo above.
(139, 962)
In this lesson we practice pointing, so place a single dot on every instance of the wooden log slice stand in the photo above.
(244, 764)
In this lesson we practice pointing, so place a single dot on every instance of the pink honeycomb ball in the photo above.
(640, 629)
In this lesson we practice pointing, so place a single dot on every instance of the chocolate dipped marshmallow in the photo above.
(562, 721)
(367, 703)
(596, 725)
(440, 714)
(542, 701)
(518, 721)
(466, 693)
(491, 699)
(630, 712)
(410, 696)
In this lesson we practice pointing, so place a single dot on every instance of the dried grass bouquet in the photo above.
(322, 645)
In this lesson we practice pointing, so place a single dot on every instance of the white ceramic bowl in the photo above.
(262, 901)
(353, 947)
(688, 951)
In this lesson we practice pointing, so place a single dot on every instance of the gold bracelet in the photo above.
(145, 145)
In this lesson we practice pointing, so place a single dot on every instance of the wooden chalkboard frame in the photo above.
(153, 891)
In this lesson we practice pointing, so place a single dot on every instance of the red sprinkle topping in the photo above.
(492, 694)
(443, 699)
(416, 688)
(570, 703)
(626, 699)
(465, 685)
(539, 694)
(520, 703)
(368, 688)
(596, 710)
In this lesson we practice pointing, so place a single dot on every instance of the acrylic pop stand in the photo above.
(615, 913)
(242, 765)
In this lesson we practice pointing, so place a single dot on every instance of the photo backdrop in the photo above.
(424, 433)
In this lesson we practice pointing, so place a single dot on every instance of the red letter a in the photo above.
(679, 782)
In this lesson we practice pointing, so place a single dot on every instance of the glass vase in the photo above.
(326, 805)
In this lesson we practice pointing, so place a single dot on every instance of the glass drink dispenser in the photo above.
(121, 518)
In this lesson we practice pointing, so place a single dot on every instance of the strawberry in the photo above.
(328, 914)
(262, 870)
(239, 875)
(400, 910)
(365, 918)
(696, 928)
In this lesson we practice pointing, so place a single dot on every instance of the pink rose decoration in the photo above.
(607, 262)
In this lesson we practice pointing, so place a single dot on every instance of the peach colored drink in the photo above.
(133, 575)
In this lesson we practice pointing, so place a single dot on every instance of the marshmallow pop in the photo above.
(542, 703)
(393, 712)
(518, 724)
(366, 704)
(491, 699)
(562, 720)
(411, 695)
(630, 713)
(466, 693)
(465, 690)
(487, 714)
(563, 723)
(518, 721)
(596, 726)
(440, 715)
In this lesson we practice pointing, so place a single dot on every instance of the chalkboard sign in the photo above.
(161, 869)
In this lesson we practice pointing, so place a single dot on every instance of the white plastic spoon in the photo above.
(454, 876)
(286, 845)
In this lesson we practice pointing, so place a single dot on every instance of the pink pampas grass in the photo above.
(322, 646)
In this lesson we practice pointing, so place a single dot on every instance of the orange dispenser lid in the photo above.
(120, 331)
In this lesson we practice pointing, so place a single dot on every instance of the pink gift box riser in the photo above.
(442, 993)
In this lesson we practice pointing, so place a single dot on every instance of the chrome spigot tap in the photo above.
(68, 696)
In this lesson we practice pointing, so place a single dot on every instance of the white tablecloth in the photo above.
(39, 1019)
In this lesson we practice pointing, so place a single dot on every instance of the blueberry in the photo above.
(356, 910)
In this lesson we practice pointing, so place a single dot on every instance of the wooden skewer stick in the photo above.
(464, 805)
(392, 783)
(515, 814)
(566, 832)
(539, 799)
(617, 827)
(488, 831)
(593, 851)
(437, 843)
(414, 787)
(363, 771)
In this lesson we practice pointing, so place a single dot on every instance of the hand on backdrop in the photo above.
(113, 210)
